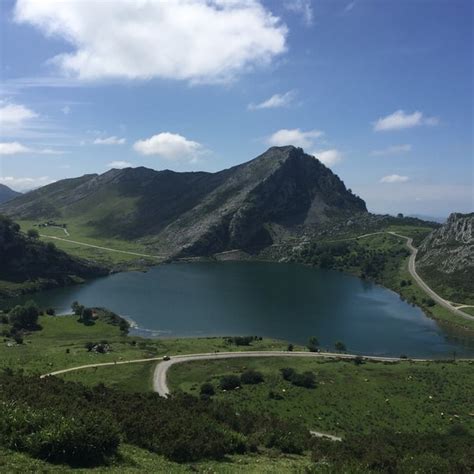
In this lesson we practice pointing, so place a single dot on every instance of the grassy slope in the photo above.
(134, 459)
(82, 233)
(348, 398)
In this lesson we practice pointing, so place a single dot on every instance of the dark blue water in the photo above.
(285, 301)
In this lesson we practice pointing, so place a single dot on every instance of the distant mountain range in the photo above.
(7, 194)
(198, 213)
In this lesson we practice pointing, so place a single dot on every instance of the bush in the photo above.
(306, 379)
(229, 382)
(47, 435)
(50, 311)
(313, 344)
(287, 373)
(340, 346)
(251, 377)
(207, 389)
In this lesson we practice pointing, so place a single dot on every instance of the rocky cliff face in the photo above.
(451, 247)
(190, 214)
(446, 258)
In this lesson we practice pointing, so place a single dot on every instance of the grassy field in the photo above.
(403, 396)
(134, 459)
(82, 233)
(61, 344)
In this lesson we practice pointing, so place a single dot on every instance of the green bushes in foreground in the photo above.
(85, 425)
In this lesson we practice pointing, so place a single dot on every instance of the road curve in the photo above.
(412, 269)
(160, 384)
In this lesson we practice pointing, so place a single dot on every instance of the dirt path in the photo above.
(161, 257)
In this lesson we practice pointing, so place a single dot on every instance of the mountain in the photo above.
(6, 194)
(199, 213)
(24, 259)
(446, 257)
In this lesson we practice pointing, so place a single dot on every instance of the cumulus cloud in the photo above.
(199, 41)
(294, 137)
(400, 120)
(392, 150)
(329, 157)
(119, 164)
(109, 141)
(301, 7)
(275, 101)
(394, 178)
(25, 184)
(171, 146)
(14, 115)
(16, 148)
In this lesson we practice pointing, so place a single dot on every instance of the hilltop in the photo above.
(7, 194)
(198, 213)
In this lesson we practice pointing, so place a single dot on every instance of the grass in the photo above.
(61, 344)
(403, 396)
(134, 459)
(80, 232)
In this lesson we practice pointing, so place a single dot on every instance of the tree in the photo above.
(33, 234)
(229, 382)
(251, 377)
(313, 344)
(290, 348)
(24, 317)
(77, 308)
(86, 316)
(340, 346)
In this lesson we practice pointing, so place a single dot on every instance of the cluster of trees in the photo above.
(231, 382)
(67, 422)
(350, 255)
(242, 340)
(21, 319)
(304, 379)
(88, 316)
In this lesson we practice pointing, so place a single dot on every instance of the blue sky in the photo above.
(381, 91)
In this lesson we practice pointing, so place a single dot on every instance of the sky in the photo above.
(381, 91)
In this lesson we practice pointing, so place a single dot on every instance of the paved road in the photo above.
(161, 257)
(160, 384)
(412, 269)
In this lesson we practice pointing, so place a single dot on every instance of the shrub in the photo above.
(50, 311)
(229, 382)
(25, 317)
(290, 347)
(306, 379)
(207, 389)
(340, 346)
(313, 344)
(251, 377)
(287, 373)
(47, 435)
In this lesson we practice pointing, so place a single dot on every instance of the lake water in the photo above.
(285, 301)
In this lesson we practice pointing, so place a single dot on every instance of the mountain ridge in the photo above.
(198, 213)
(7, 194)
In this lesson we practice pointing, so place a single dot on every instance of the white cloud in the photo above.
(15, 148)
(329, 157)
(394, 178)
(294, 137)
(303, 8)
(109, 141)
(170, 146)
(119, 164)
(400, 120)
(25, 184)
(275, 101)
(392, 150)
(200, 41)
(14, 115)
(66, 110)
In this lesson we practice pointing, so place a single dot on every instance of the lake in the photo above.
(284, 301)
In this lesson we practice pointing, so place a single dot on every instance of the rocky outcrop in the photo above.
(451, 247)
